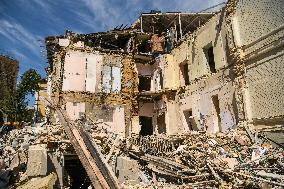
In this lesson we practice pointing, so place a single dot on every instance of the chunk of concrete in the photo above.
(37, 161)
(231, 162)
(242, 140)
(18, 159)
(127, 170)
(40, 183)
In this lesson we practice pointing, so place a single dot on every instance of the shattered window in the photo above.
(111, 79)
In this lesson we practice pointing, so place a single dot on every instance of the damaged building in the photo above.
(176, 100)
(174, 72)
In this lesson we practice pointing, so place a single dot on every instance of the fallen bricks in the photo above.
(236, 158)
(239, 158)
(24, 152)
(233, 159)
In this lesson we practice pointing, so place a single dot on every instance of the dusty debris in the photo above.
(177, 100)
(40, 182)
(24, 151)
(191, 158)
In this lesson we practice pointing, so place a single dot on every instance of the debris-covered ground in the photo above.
(240, 158)
(23, 151)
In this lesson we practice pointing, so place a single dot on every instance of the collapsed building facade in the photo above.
(177, 100)
(174, 72)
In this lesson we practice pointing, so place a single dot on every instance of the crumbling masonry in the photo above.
(177, 100)
(174, 72)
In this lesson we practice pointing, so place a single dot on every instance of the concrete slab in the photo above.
(37, 161)
(127, 170)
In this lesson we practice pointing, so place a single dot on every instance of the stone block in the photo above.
(127, 170)
(37, 161)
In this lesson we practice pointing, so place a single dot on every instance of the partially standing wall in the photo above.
(259, 30)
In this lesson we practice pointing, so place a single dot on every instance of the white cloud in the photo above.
(112, 14)
(18, 55)
(107, 14)
(16, 33)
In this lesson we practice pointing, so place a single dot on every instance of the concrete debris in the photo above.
(195, 160)
(25, 150)
(40, 182)
(177, 100)
(191, 158)
(37, 161)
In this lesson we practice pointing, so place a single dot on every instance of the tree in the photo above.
(29, 84)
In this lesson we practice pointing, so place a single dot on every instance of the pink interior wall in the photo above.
(94, 62)
(74, 71)
(119, 120)
(73, 110)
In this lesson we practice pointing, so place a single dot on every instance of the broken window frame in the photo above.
(110, 83)
(148, 88)
(208, 51)
(184, 73)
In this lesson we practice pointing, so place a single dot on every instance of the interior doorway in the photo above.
(146, 125)
(209, 54)
(161, 124)
(144, 83)
(184, 74)
(190, 120)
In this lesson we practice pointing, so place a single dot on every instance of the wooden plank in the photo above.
(88, 157)
(79, 152)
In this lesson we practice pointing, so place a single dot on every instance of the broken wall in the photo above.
(190, 102)
(254, 19)
(181, 55)
(265, 88)
(210, 34)
(206, 86)
(171, 79)
(258, 30)
(198, 99)
(84, 80)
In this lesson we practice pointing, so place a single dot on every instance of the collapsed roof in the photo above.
(160, 22)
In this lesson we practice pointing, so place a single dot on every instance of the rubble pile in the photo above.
(109, 143)
(20, 149)
(239, 158)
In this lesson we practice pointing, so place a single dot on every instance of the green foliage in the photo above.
(7, 99)
(28, 85)
(29, 82)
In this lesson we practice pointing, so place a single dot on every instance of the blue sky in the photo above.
(25, 23)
